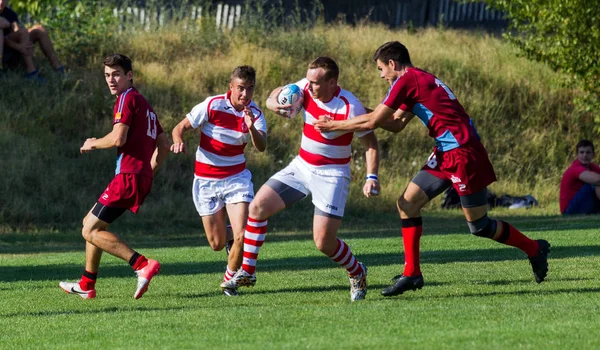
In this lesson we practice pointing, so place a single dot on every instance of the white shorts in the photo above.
(211, 195)
(328, 185)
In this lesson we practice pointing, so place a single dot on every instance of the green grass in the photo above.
(478, 294)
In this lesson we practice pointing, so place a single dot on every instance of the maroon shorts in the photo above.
(468, 167)
(126, 191)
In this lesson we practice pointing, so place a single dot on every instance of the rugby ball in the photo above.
(291, 94)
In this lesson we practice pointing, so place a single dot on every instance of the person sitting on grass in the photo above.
(17, 42)
(580, 184)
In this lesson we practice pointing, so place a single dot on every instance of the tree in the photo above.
(563, 34)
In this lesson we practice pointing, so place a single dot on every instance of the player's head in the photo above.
(322, 75)
(391, 58)
(241, 85)
(585, 152)
(3, 4)
(118, 73)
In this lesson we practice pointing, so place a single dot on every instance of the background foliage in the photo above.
(521, 108)
(566, 36)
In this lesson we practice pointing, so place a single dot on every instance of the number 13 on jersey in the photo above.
(151, 124)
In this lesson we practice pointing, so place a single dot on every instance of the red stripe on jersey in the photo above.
(311, 133)
(217, 172)
(316, 159)
(313, 109)
(217, 147)
(226, 120)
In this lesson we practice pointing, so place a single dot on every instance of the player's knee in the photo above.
(405, 207)
(320, 243)
(483, 227)
(87, 233)
(256, 210)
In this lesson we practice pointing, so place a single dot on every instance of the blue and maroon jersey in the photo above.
(134, 157)
(435, 105)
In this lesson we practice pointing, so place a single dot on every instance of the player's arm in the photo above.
(116, 138)
(364, 122)
(274, 106)
(161, 152)
(398, 121)
(4, 23)
(590, 177)
(178, 145)
(259, 138)
(369, 142)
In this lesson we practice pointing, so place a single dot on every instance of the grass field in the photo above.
(478, 294)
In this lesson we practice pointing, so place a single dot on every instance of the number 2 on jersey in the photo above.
(448, 91)
(151, 124)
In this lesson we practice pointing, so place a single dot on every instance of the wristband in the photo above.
(372, 177)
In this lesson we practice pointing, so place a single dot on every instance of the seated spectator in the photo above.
(18, 42)
(580, 184)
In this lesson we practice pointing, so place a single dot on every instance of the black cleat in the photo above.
(539, 263)
(228, 246)
(402, 284)
(230, 292)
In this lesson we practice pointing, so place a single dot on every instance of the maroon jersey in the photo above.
(132, 109)
(435, 105)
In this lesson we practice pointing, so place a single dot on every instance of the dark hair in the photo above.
(245, 73)
(119, 60)
(329, 66)
(392, 50)
(584, 143)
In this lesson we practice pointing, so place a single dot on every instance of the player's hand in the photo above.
(248, 117)
(178, 147)
(371, 188)
(323, 124)
(87, 145)
(26, 49)
(282, 110)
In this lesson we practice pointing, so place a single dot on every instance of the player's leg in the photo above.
(422, 188)
(215, 228)
(282, 190)
(475, 208)
(22, 37)
(584, 202)
(238, 216)
(38, 34)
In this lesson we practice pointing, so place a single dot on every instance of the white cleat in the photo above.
(74, 288)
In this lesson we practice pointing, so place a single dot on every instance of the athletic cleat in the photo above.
(74, 288)
(539, 263)
(240, 279)
(228, 246)
(230, 292)
(402, 284)
(145, 275)
(358, 285)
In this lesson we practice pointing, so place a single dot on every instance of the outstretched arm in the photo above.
(398, 121)
(364, 122)
(116, 138)
(369, 142)
(161, 152)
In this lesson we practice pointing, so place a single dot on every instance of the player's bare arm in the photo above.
(398, 121)
(178, 145)
(369, 142)
(364, 122)
(590, 177)
(274, 106)
(259, 138)
(161, 152)
(116, 138)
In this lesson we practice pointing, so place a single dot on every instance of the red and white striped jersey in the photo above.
(330, 149)
(223, 136)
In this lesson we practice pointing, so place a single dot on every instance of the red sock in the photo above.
(138, 262)
(88, 280)
(514, 238)
(412, 230)
(254, 237)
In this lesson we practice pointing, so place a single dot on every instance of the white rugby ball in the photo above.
(291, 94)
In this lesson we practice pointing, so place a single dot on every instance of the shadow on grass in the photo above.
(72, 271)
(516, 292)
(106, 310)
(140, 236)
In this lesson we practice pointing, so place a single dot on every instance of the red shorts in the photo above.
(126, 191)
(467, 166)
